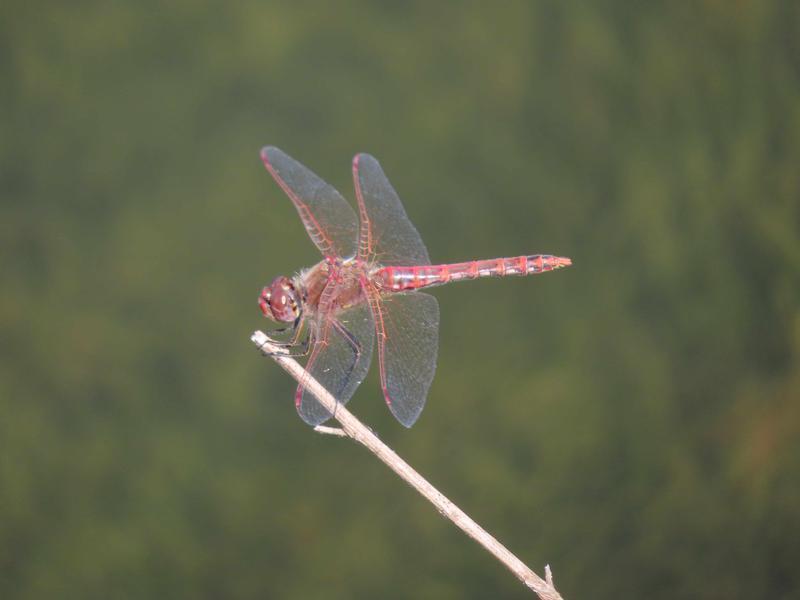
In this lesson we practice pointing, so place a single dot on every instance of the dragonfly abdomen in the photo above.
(420, 276)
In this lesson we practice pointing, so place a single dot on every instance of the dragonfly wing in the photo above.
(329, 219)
(339, 360)
(386, 233)
(407, 326)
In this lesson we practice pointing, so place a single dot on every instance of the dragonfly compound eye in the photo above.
(263, 301)
(278, 300)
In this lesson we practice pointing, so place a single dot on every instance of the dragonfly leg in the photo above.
(293, 348)
(293, 330)
(282, 331)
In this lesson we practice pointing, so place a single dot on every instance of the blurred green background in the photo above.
(633, 421)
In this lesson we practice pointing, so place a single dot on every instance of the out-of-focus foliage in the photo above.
(633, 420)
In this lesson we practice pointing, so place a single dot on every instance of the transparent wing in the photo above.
(329, 219)
(407, 325)
(386, 233)
(339, 360)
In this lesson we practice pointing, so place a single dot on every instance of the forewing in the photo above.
(329, 219)
(339, 360)
(407, 325)
(386, 234)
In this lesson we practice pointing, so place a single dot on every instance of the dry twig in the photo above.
(353, 428)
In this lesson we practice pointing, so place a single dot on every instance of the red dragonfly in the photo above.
(366, 289)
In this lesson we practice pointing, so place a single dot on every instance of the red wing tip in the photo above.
(265, 155)
(357, 159)
(298, 397)
(362, 156)
(405, 419)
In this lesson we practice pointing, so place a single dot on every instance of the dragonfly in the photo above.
(365, 292)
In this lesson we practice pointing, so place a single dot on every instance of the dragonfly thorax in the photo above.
(280, 300)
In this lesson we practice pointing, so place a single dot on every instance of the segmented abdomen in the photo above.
(412, 278)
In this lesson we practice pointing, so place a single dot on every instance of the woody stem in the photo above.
(356, 430)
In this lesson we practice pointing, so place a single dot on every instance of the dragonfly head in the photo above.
(279, 300)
